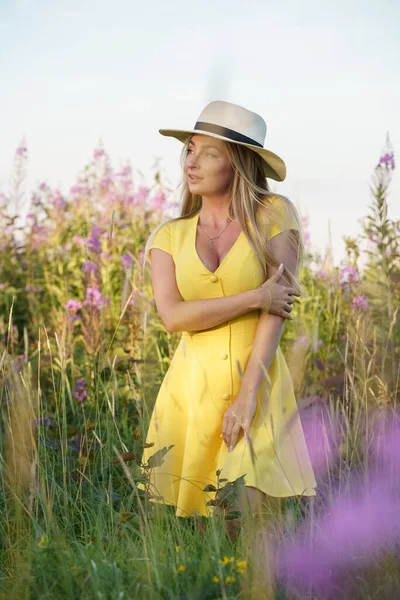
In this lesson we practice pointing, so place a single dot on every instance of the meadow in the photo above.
(82, 355)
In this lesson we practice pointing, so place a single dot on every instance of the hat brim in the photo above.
(274, 166)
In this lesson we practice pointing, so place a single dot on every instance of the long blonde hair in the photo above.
(251, 198)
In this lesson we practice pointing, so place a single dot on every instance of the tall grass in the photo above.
(82, 356)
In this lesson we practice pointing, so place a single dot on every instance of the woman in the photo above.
(227, 402)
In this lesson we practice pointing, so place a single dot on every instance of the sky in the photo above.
(323, 75)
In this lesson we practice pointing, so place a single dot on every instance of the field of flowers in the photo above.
(82, 355)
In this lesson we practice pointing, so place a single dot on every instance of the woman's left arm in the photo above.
(266, 341)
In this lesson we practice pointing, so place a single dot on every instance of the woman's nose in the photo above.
(191, 162)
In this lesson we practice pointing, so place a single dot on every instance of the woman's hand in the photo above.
(238, 416)
(275, 298)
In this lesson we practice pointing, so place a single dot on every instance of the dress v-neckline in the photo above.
(224, 260)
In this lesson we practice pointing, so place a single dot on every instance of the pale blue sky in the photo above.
(324, 76)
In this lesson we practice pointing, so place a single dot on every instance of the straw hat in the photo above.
(234, 123)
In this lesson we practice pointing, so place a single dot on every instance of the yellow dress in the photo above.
(203, 380)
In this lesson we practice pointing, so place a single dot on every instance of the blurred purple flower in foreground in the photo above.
(358, 525)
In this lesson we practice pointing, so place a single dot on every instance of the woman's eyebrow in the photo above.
(206, 146)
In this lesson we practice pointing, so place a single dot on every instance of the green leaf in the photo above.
(210, 488)
(156, 460)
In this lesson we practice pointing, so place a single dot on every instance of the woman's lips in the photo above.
(194, 179)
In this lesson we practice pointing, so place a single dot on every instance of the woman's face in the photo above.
(207, 160)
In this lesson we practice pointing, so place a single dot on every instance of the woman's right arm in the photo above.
(194, 315)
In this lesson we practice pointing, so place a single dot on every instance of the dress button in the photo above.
(225, 396)
(223, 355)
(213, 278)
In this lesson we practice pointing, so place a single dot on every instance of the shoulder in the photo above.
(161, 230)
(279, 213)
(278, 204)
(166, 235)
(173, 225)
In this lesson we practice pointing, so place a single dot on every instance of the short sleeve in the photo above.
(159, 238)
(285, 216)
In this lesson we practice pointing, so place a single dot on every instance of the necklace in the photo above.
(217, 236)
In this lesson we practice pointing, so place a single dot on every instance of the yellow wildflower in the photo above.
(181, 568)
(177, 548)
(43, 541)
(230, 579)
(226, 560)
(241, 564)
(215, 579)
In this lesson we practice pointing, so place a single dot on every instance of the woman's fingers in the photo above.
(227, 429)
(230, 432)
(225, 425)
(234, 436)
(292, 291)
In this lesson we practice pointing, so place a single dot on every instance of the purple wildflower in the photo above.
(94, 244)
(99, 153)
(141, 195)
(94, 298)
(351, 534)
(96, 231)
(126, 260)
(348, 274)
(387, 160)
(59, 203)
(360, 302)
(89, 266)
(107, 181)
(158, 201)
(321, 432)
(73, 305)
(79, 392)
(21, 151)
(78, 239)
(76, 189)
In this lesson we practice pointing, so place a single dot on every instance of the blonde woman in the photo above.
(227, 400)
